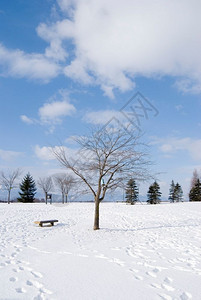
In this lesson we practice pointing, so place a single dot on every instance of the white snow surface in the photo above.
(140, 252)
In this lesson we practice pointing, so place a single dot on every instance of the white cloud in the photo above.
(53, 112)
(16, 63)
(66, 4)
(189, 85)
(110, 43)
(44, 153)
(108, 90)
(173, 145)
(101, 117)
(9, 155)
(54, 35)
(149, 38)
(167, 148)
(77, 72)
(26, 120)
(47, 153)
(72, 139)
(179, 107)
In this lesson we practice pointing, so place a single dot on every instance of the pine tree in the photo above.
(195, 192)
(178, 192)
(131, 192)
(154, 193)
(28, 189)
(172, 192)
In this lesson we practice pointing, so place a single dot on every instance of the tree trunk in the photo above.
(46, 197)
(96, 215)
(9, 197)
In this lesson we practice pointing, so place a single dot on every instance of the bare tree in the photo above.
(7, 181)
(106, 159)
(64, 182)
(46, 184)
(69, 183)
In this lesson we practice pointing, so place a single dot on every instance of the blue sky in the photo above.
(68, 64)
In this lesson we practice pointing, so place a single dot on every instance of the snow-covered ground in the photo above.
(141, 252)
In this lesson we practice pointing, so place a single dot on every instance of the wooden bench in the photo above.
(51, 222)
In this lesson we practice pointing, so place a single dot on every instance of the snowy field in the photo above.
(141, 252)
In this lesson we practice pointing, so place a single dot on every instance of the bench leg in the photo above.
(52, 223)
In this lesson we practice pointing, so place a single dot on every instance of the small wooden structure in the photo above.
(50, 222)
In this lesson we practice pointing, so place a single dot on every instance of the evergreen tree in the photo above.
(172, 192)
(195, 192)
(28, 189)
(154, 193)
(178, 192)
(131, 192)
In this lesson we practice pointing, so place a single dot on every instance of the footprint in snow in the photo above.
(156, 270)
(133, 270)
(40, 297)
(3, 264)
(156, 286)
(34, 283)
(13, 279)
(18, 262)
(165, 297)
(138, 277)
(151, 274)
(18, 249)
(20, 290)
(45, 291)
(186, 296)
(168, 280)
(16, 270)
(37, 274)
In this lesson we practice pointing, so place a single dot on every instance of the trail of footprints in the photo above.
(19, 271)
(163, 285)
(166, 284)
(144, 270)
(163, 290)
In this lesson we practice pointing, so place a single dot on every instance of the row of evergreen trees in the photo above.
(28, 191)
(153, 194)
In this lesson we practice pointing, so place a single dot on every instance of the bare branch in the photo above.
(46, 185)
(65, 183)
(105, 160)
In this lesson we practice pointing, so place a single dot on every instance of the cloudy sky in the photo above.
(68, 64)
